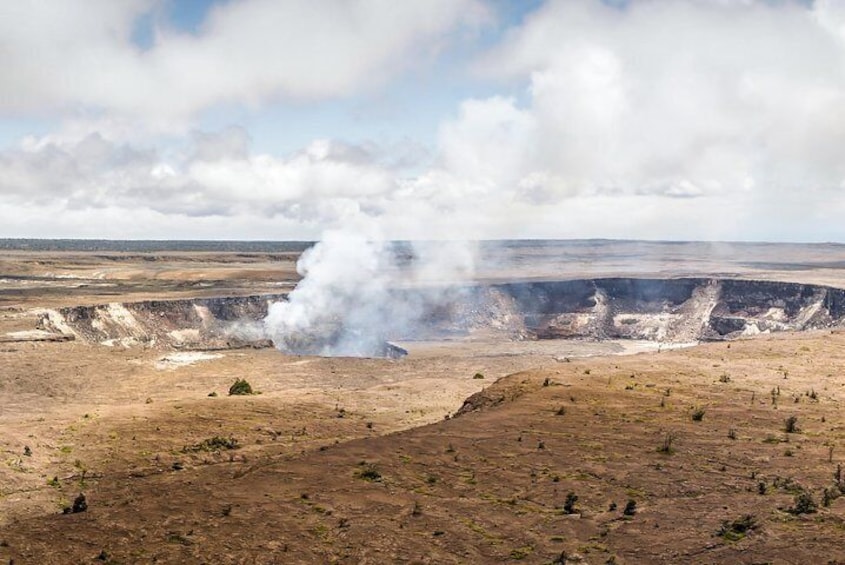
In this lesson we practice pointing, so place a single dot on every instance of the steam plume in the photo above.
(357, 292)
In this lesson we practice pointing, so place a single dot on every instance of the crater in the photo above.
(681, 310)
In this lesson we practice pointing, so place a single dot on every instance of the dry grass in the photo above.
(495, 494)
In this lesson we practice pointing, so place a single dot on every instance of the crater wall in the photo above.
(679, 310)
(203, 323)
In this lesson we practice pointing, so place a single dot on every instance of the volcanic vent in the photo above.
(664, 310)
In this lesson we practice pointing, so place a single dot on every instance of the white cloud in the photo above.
(673, 98)
(698, 120)
(78, 53)
(216, 175)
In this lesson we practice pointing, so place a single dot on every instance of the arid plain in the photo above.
(468, 450)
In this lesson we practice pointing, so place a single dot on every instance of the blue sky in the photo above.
(257, 119)
(419, 100)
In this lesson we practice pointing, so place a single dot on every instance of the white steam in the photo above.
(358, 292)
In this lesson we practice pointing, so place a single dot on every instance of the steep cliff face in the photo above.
(665, 310)
(674, 310)
(207, 323)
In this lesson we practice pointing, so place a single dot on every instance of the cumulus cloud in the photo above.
(685, 120)
(215, 175)
(681, 99)
(71, 54)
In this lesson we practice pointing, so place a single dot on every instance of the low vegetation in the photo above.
(216, 443)
(240, 387)
(368, 472)
(803, 504)
(569, 504)
(666, 446)
(737, 529)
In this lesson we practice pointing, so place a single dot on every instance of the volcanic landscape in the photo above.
(571, 402)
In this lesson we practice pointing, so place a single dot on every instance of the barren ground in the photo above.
(354, 461)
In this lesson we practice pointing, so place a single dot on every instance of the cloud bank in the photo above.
(60, 55)
(677, 120)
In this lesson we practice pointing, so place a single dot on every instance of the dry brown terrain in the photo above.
(354, 461)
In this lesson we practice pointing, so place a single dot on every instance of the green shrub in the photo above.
(240, 387)
(369, 473)
(829, 496)
(216, 443)
(804, 504)
(738, 529)
(569, 505)
(521, 552)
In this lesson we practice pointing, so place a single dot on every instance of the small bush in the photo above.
(569, 504)
(240, 387)
(731, 433)
(80, 504)
(521, 552)
(804, 504)
(791, 425)
(369, 473)
(216, 443)
(698, 415)
(829, 496)
(630, 508)
(478, 376)
(666, 446)
(738, 529)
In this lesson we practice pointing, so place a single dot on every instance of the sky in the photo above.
(437, 119)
